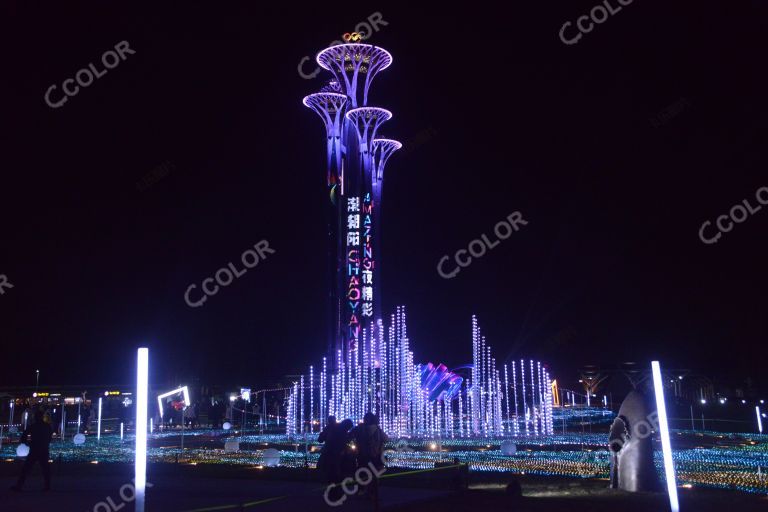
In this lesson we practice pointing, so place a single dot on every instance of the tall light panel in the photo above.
(666, 446)
(142, 385)
(759, 420)
(98, 426)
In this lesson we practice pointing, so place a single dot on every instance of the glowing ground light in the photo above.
(734, 466)
(98, 427)
(142, 377)
(666, 446)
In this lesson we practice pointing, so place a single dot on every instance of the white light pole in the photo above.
(98, 425)
(666, 446)
(63, 421)
(140, 462)
(759, 420)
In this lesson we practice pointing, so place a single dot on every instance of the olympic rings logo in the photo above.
(353, 37)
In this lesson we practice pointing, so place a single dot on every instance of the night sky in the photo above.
(499, 115)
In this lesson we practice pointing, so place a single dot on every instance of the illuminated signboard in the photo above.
(42, 394)
(367, 308)
(111, 393)
(353, 270)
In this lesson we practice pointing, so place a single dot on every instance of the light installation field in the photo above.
(368, 367)
(730, 461)
(433, 414)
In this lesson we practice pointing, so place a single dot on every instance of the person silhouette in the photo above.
(370, 440)
(40, 433)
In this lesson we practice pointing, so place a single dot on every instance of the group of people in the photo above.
(347, 447)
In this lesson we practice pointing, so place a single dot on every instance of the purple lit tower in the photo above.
(355, 163)
(370, 366)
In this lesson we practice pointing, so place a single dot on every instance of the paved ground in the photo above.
(83, 489)
(87, 487)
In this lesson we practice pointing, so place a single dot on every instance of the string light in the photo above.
(380, 375)
(735, 466)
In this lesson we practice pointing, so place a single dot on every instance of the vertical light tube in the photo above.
(301, 404)
(121, 430)
(98, 425)
(506, 394)
(661, 408)
(759, 420)
(525, 405)
(142, 382)
(311, 399)
(514, 389)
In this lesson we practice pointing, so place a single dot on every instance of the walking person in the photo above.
(40, 433)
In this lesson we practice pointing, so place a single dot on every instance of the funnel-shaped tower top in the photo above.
(382, 150)
(330, 107)
(354, 65)
(367, 120)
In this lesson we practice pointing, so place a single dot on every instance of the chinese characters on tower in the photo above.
(367, 310)
(353, 270)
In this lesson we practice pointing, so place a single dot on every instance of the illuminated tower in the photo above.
(355, 161)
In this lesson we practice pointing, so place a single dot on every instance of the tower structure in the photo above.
(371, 367)
(355, 161)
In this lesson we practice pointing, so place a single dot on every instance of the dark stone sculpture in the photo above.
(631, 445)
